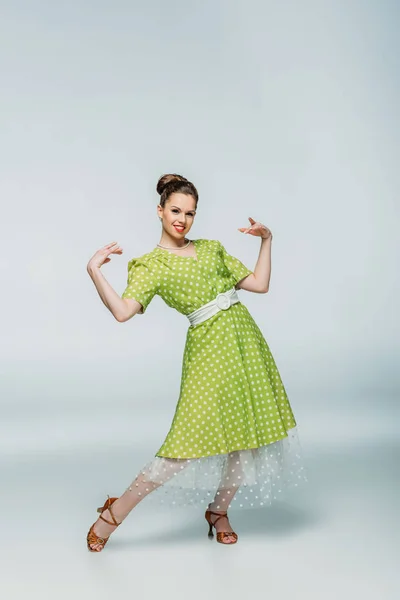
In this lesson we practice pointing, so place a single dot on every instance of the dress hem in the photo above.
(278, 439)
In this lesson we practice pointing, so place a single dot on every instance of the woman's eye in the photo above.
(174, 210)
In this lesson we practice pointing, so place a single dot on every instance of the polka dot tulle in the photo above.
(233, 434)
(240, 479)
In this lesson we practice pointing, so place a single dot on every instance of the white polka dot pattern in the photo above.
(232, 406)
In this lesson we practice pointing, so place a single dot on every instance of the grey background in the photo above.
(286, 112)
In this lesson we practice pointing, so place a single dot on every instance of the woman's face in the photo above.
(178, 214)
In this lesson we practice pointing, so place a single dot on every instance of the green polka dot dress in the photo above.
(233, 429)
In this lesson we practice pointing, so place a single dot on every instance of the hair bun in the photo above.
(167, 179)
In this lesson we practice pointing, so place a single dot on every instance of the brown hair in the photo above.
(171, 183)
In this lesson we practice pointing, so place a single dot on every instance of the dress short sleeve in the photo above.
(236, 268)
(142, 283)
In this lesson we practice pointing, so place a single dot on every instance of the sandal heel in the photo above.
(210, 532)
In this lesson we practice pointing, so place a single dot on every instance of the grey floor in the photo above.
(337, 537)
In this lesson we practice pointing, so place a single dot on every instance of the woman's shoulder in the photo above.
(207, 242)
(146, 259)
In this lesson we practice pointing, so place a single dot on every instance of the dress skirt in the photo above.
(233, 439)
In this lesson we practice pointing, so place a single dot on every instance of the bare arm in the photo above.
(122, 309)
(258, 281)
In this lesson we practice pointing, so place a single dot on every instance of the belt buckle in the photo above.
(223, 301)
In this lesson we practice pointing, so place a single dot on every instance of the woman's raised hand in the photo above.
(257, 228)
(100, 257)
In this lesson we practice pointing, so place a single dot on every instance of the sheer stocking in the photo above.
(230, 482)
(144, 484)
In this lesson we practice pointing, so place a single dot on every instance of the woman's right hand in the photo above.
(101, 256)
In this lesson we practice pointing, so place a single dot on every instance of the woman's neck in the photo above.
(171, 242)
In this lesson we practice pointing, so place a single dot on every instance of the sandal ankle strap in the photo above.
(219, 515)
(107, 506)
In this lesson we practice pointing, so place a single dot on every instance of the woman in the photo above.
(233, 438)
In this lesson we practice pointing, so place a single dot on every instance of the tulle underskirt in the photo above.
(240, 479)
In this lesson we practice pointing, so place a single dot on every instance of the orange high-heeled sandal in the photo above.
(92, 537)
(221, 535)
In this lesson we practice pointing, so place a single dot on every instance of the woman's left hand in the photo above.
(257, 228)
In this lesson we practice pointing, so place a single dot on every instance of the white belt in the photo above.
(221, 302)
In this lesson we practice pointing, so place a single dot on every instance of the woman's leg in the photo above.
(145, 482)
(230, 482)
